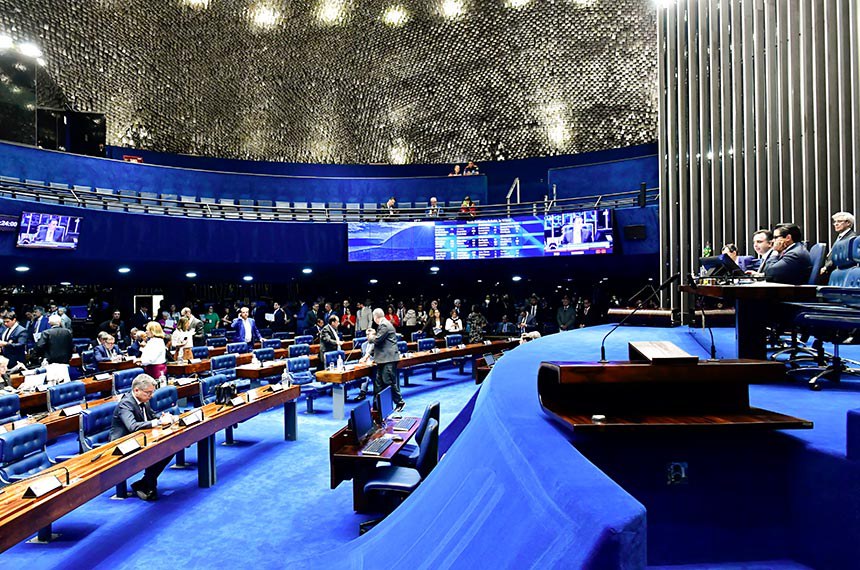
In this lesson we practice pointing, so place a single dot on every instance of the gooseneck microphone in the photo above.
(662, 286)
(692, 281)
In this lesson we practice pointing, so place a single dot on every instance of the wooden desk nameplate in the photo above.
(628, 396)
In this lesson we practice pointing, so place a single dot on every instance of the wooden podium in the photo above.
(660, 387)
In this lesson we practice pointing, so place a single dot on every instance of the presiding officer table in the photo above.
(96, 471)
(754, 307)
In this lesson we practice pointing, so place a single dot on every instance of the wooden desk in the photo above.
(108, 366)
(187, 368)
(642, 396)
(347, 462)
(76, 360)
(98, 470)
(36, 402)
(754, 307)
(257, 372)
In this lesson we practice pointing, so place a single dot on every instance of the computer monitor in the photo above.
(489, 360)
(361, 422)
(384, 403)
(721, 266)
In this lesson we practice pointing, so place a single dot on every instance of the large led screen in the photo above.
(586, 232)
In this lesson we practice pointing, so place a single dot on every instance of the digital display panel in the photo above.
(48, 231)
(578, 233)
(588, 232)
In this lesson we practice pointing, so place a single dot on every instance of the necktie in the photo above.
(7, 334)
(143, 411)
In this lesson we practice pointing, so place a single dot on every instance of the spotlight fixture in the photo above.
(191, 275)
(307, 270)
(22, 269)
(30, 50)
(434, 269)
(124, 270)
(248, 278)
(516, 278)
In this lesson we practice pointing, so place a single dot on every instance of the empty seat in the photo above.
(336, 211)
(200, 352)
(330, 357)
(283, 210)
(95, 425)
(272, 343)
(66, 395)
(225, 364)
(305, 339)
(264, 354)
(266, 209)
(216, 341)
(300, 349)
(151, 203)
(10, 408)
(207, 389)
(353, 212)
(247, 209)
(299, 371)
(408, 455)
(237, 348)
(165, 399)
(301, 211)
(23, 452)
(123, 379)
(190, 206)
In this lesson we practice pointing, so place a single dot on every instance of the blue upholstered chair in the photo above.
(398, 482)
(817, 254)
(281, 335)
(358, 342)
(454, 340)
(417, 335)
(237, 348)
(81, 344)
(165, 399)
(123, 379)
(272, 343)
(218, 332)
(66, 394)
(299, 350)
(299, 370)
(200, 352)
(23, 453)
(10, 408)
(207, 389)
(426, 344)
(360, 334)
(225, 364)
(305, 339)
(330, 357)
(402, 346)
(216, 341)
(409, 453)
(95, 425)
(265, 332)
(88, 361)
(265, 354)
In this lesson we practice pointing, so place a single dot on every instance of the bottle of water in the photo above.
(339, 362)
(255, 361)
(285, 378)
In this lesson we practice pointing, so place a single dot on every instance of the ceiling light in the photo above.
(452, 8)
(248, 278)
(516, 278)
(65, 283)
(41, 61)
(374, 281)
(30, 50)
(264, 17)
(330, 11)
(395, 16)
(124, 270)
(307, 270)
(6, 42)
(22, 268)
(191, 275)
(517, 3)
(434, 268)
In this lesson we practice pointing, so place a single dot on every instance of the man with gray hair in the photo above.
(387, 356)
(196, 325)
(55, 344)
(64, 318)
(843, 225)
(133, 413)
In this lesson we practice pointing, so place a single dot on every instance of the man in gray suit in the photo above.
(386, 356)
(133, 413)
(843, 225)
(363, 317)
(196, 325)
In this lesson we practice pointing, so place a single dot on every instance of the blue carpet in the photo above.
(272, 500)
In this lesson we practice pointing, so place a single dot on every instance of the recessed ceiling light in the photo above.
(264, 17)
(65, 283)
(6, 42)
(434, 268)
(395, 16)
(22, 268)
(307, 270)
(124, 269)
(452, 8)
(248, 278)
(374, 281)
(516, 278)
(191, 275)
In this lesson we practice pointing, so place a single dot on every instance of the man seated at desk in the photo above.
(763, 245)
(106, 351)
(793, 264)
(53, 232)
(133, 413)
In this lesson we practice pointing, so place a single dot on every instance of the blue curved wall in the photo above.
(50, 166)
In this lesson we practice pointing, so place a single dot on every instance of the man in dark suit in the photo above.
(565, 316)
(245, 329)
(329, 339)
(133, 413)
(843, 225)
(51, 233)
(196, 325)
(534, 313)
(13, 340)
(37, 325)
(55, 344)
(793, 266)
(279, 321)
(141, 318)
(106, 349)
(386, 356)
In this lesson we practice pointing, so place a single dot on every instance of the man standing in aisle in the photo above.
(386, 356)
(363, 317)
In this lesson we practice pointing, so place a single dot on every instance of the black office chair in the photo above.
(409, 453)
(389, 485)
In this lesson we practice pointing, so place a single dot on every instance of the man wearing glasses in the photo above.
(843, 225)
(133, 413)
(793, 266)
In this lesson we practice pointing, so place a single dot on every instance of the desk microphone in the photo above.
(662, 286)
(694, 285)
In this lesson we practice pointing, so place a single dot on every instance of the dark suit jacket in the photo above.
(280, 322)
(56, 345)
(127, 417)
(239, 330)
(14, 351)
(199, 338)
(566, 317)
(385, 345)
(134, 349)
(101, 354)
(828, 263)
(328, 339)
(59, 234)
(139, 320)
(793, 267)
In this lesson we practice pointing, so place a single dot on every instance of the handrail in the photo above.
(159, 205)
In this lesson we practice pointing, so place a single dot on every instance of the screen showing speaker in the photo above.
(579, 233)
(48, 231)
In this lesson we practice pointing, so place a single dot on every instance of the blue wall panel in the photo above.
(51, 166)
(605, 177)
